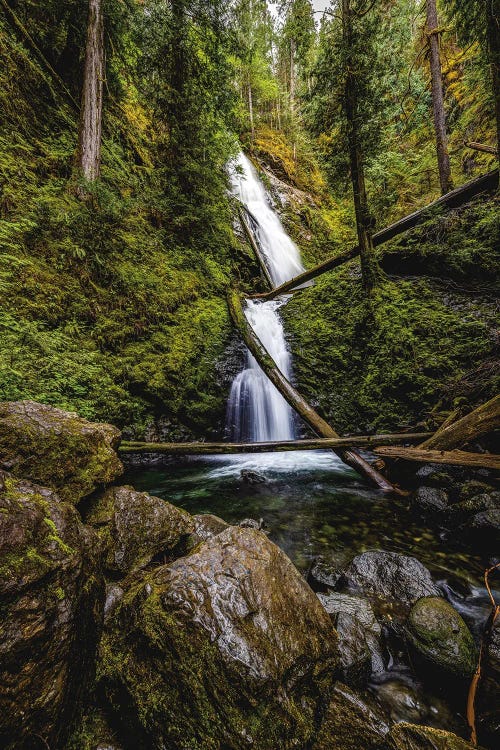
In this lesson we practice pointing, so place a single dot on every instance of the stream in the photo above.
(310, 503)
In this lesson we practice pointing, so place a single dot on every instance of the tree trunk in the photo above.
(452, 458)
(487, 183)
(89, 151)
(292, 75)
(438, 99)
(369, 266)
(185, 449)
(481, 421)
(250, 109)
(294, 398)
(493, 33)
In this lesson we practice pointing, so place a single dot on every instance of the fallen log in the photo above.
(205, 449)
(482, 420)
(457, 197)
(294, 398)
(455, 458)
(255, 246)
(481, 147)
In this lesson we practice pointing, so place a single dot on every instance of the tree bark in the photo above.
(250, 109)
(90, 136)
(293, 397)
(457, 197)
(481, 421)
(438, 99)
(255, 246)
(369, 265)
(453, 458)
(493, 34)
(199, 448)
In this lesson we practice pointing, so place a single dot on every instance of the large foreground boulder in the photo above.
(51, 605)
(488, 698)
(135, 526)
(225, 648)
(57, 449)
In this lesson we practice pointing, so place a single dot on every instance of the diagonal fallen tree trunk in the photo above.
(453, 458)
(201, 449)
(254, 245)
(294, 398)
(457, 197)
(481, 421)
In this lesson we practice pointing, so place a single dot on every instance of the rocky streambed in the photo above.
(130, 623)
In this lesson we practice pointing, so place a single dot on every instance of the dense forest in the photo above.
(114, 272)
(249, 222)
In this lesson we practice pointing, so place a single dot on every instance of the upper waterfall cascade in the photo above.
(256, 411)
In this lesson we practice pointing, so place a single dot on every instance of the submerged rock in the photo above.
(57, 449)
(136, 526)
(52, 598)
(227, 647)
(413, 737)
(359, 635)
(327, 571)
(389, 575)
(352, 722)
(440, 636)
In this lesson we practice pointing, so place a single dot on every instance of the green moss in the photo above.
(385, 362)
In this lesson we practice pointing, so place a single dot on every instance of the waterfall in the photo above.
(256, 410)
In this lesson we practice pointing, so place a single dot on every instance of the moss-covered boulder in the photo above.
(351, 722)
(52, 596)
(440, 636)
(135, 527)
(57, 449)
(225, 648)
(415, 737)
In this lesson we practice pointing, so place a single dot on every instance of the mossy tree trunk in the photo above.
(90, 135)
(493, 34)
(438, 99)
(369, 267)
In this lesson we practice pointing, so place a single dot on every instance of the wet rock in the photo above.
(476, 504)
(327, 571)
(488, 696)
(57, 449)
(206, 525)
(412, 737)
(359, 636)
(52, 597)
(234, 627)
(352, 721)
(440, 636)
(135, 527)
(430, 500)
(252, 477)
(406, 700)
(389, 575)
(473, 487)
(433, 475)
(252, 523)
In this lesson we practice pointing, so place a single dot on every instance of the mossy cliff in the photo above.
(426, 339)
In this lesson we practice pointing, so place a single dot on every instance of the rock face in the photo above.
(390, 575)
(52, 597)
(225, 648)
(352, 722)
(430, 500)
(413, 737)
(359, 635)
(135, 527)
(488, 699)
(57, 448)
(438, 633)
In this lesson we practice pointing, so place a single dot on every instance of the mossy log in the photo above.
(457, 197)
(205, 449)
(255, 246)
(294, 398)
(481, 147)
(455, 458)
(481, 421)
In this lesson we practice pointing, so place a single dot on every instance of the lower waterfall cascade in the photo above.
(256, 410)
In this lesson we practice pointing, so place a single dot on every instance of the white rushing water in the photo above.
(256, 410)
